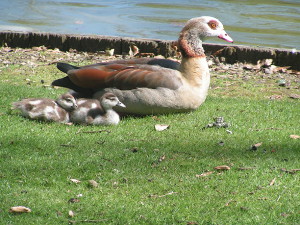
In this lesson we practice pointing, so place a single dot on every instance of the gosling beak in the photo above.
(223, 35)
(121, 104)
(75, 106)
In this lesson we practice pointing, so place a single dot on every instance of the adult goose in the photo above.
(152, 86)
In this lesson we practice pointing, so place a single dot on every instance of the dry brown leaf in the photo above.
(227, 203)
(246, 168)
(162, 158)
(223, 167)
(257, 145)
(294, 96)
(161, 127)
(294, 136)
(75, 181)
(272, 182)
(73, 200)
(19, 209)
(93, 183)
(133, 50)
(204, 174)
(274, 97)
(155, 118)
(292, 171)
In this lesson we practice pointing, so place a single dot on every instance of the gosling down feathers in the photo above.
(47, 109)
(152, 86)
(94, 112)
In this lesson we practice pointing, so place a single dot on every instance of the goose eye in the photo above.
(212, 25)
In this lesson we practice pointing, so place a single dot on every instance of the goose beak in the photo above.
(121, 104)
(225, 36)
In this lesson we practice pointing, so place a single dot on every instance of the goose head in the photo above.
(109, 100)
(67, 102)
(196, 30)
(206, 26)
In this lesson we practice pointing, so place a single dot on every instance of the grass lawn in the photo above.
(149, 177)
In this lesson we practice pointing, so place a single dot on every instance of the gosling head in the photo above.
(109, 100)
(67, 102)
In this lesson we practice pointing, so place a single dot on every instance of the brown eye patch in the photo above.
(213, 24)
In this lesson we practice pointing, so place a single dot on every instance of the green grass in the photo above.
(146, 176)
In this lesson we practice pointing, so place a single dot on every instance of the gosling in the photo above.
(95, 112)
(46, 109)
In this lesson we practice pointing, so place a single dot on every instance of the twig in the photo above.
(270, 128)
(278, 198)
(292, 171)
(246, 168)
(66, 145)
(160, 196)
(87, 221)
(93, 132)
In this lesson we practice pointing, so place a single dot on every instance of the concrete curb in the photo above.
(94, 43)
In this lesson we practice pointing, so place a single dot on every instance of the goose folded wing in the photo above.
(124, 77)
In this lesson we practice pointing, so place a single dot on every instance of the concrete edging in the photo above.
(94, 43)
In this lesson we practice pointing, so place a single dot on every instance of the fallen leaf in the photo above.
(93, 183)
(246, 168)
(73, 200)
(109, 52)
(255, 146)
(162, 158)
(221, 143)
(19, 209)
(295, 170)
(272, 182)
(223, 167)
(229, 131)
(292, 171)
(155, 118)
(227, 203)
(274, 97)
(204, 174)
(294, 136)
(294, 96)
(258, 144)
(134, 149)
(161, 127)
(133, 50)
(244, 208)
(71, 213)
(75, 181)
